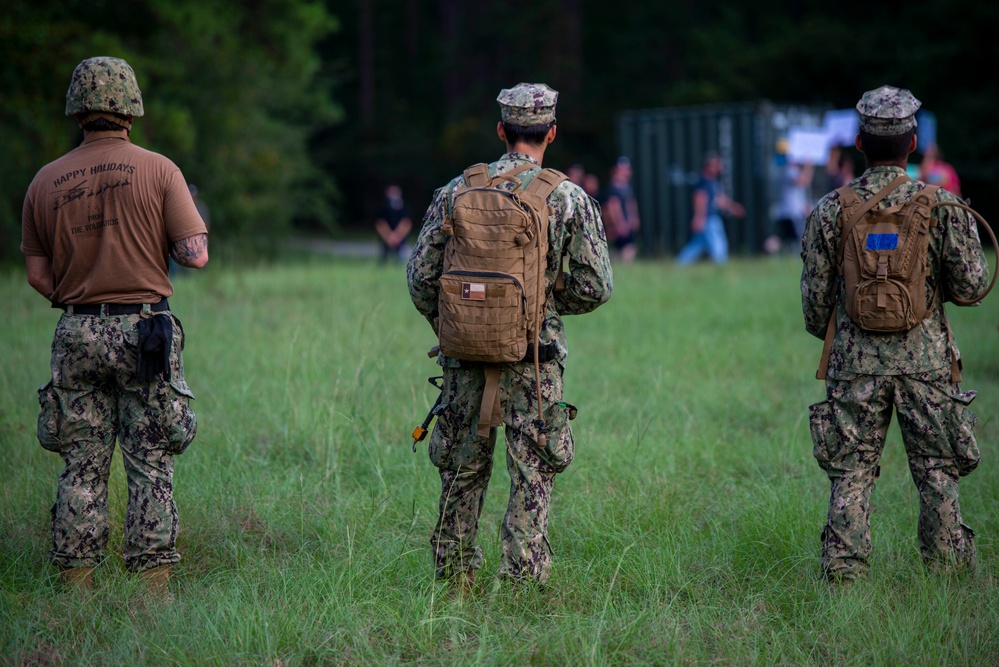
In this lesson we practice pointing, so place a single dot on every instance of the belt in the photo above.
(111, 309)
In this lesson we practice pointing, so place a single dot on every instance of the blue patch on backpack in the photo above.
(882, 241)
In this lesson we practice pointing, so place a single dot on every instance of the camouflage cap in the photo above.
(527, 104)
(104, 84)
(888, 111)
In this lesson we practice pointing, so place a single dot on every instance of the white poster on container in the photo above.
(809, 146)
(842, 126)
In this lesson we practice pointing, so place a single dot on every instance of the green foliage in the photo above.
(231, 98)
(685, 532)
(277, 109)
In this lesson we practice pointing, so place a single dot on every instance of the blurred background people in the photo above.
(935, 171)
(393, 225)
(706, 226)
(620, 211)
(794, 203)
(840, 168)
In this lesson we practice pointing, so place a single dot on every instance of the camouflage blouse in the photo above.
(958, 266)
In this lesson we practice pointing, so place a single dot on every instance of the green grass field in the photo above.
(686, 531)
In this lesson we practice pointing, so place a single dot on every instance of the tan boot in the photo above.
(157, 580)
(79, 578)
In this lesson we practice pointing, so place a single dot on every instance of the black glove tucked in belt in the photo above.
(155, 340)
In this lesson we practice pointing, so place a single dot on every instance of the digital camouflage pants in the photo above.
(848, 433)
(92, 400)
(465, 461)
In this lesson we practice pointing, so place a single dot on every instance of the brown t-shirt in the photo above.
(105, 214)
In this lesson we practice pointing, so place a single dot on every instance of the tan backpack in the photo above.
(492, 290)
(883, 257)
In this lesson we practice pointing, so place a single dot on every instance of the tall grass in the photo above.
(686, 531)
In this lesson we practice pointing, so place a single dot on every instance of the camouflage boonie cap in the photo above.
(104, 84)
(527, 104)
(887, 111)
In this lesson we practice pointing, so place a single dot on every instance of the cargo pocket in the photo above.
(181, 424)
(559, 447)
(50, 418)
(824, 436)
(962, 438)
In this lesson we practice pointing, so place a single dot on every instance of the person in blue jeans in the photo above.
(710, 201)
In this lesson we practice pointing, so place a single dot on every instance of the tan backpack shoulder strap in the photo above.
(545, 182)
(873, 201)
(921, 203)
(477, 175)
(931, 194)
(849, 200)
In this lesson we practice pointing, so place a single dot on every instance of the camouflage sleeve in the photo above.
(819, 280)
(426, 263)
(590, 278)
(965, 271)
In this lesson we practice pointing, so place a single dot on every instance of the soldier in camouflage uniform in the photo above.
(98, 226)
(464, 458)
(869, 374)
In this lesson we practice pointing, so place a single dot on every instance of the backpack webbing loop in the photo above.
(476, 176)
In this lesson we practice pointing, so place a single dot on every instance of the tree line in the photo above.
(291, 116)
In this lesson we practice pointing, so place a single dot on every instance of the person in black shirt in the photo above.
(393, 224)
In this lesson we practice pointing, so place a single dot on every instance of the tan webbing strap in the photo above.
(511, 175)
(477, 175)
(827, 343)
(955, 363)
(491, 410)
(560, 281)
(924, 200)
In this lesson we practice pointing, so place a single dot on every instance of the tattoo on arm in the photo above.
(187, 252)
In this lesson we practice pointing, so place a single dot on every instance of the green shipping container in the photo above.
(666, 148)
